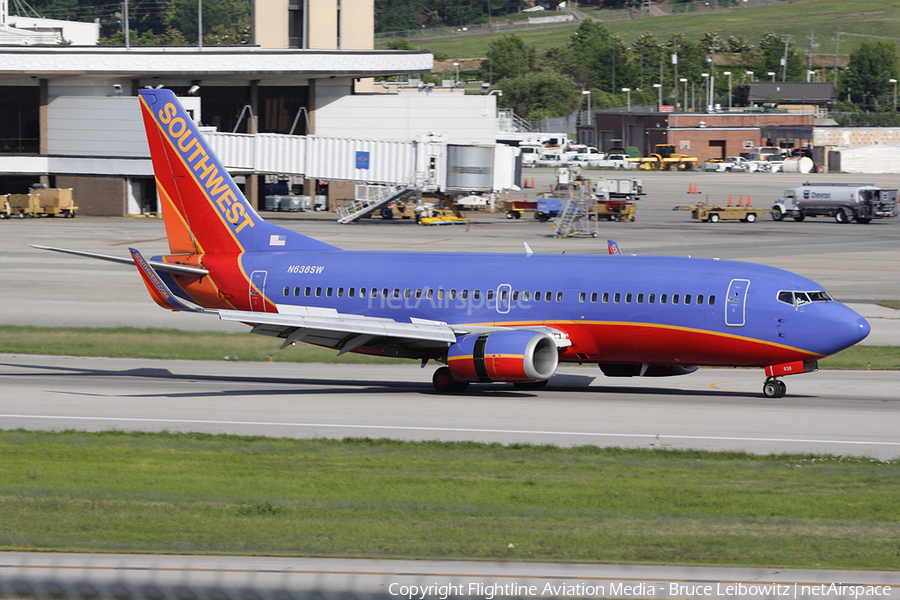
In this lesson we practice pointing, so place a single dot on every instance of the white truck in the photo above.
(845, 202)
(730, 164)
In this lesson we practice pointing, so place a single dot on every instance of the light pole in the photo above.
(750, 73)
(810, 75)
(894, 81)
(659, 87)
(684, 81)
(456, 64)
(588, 94)
(705, 77)
(628, 91)
(772, 74)
(729, 87)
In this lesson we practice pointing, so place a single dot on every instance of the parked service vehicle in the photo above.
(614, 161)
(843, 201)
(530, 155)
(730, 164)
(551, 160)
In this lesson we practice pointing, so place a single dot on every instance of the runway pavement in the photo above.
(220, 577)
(836, 412)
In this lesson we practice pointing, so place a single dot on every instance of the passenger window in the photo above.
(340, 292)
(503, 295)
(407, 293)
(699, 299)
(287, 290)
(605, 297)
(515, 296)
(464, 294)
(548, 296)
(490, 294)
(559, 296)
(297, 291)
(593, 296)
(373, 293)
(537, 296)
(582, 296)
(663, 298)
(674, 298)
(440, 294)
(453, 294)
(396, 292)
(318, 292)
(616, 297)
(476, 294)
(429, 293)
(651, 298)
(687, 298)
(628, 298)
(328, 292)
(307, 291)
(351, 292)
(640, 298)
(526, 296)
(711, 300)
(418, 294)
(385, 292)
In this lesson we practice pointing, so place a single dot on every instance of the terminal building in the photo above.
(69, 114)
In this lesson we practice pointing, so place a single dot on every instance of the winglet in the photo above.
(159, 291)
(613, 247)
(528, 250)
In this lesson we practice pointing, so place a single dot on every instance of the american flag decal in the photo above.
(277, 240)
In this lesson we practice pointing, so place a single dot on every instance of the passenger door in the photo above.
(736, 302)
(258, 291)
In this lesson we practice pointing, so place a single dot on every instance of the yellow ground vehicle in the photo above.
(42, 202)
(714, 214)
(665, 158)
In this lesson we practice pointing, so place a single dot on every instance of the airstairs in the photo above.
(372, 198)
(579, 216)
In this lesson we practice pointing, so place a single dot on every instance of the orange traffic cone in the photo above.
(729, 199)
(741, 200)
(748, 200)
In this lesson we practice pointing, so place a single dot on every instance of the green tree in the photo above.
(508, 57)
(540, 94)
(770, 56)
(870, 68)
(182, 15)
(648, 52)
(593, 55)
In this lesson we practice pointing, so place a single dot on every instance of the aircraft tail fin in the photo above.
(613, 247)
(204, 210)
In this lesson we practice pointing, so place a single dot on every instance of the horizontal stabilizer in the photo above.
(158, 289)
(158, 266)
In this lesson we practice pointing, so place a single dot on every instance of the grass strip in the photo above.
(172, 344)
(198, 493)
(169, 344)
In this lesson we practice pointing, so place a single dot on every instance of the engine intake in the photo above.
(515, 355)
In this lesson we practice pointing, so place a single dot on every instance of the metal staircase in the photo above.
(371, 198)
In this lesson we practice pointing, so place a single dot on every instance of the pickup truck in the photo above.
(614, 161)
(730, 164)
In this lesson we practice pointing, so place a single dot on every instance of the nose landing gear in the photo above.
(774, 388)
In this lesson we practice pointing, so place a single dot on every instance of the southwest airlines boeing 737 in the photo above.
(487, 317)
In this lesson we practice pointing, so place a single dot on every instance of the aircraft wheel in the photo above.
(531, 385)
(445, 384)
(774, 388)
(714, 218)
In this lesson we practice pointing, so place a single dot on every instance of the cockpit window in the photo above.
(801, 298)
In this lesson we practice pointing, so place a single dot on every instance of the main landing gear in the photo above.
(445, 384)
(774, 388)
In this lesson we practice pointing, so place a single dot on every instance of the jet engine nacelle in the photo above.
(646, 370)
(514, 355)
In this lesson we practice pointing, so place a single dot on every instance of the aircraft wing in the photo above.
(347, 332)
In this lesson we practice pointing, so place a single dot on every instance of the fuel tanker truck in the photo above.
(860, 202)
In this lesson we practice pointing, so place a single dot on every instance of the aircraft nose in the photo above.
(848, 328)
